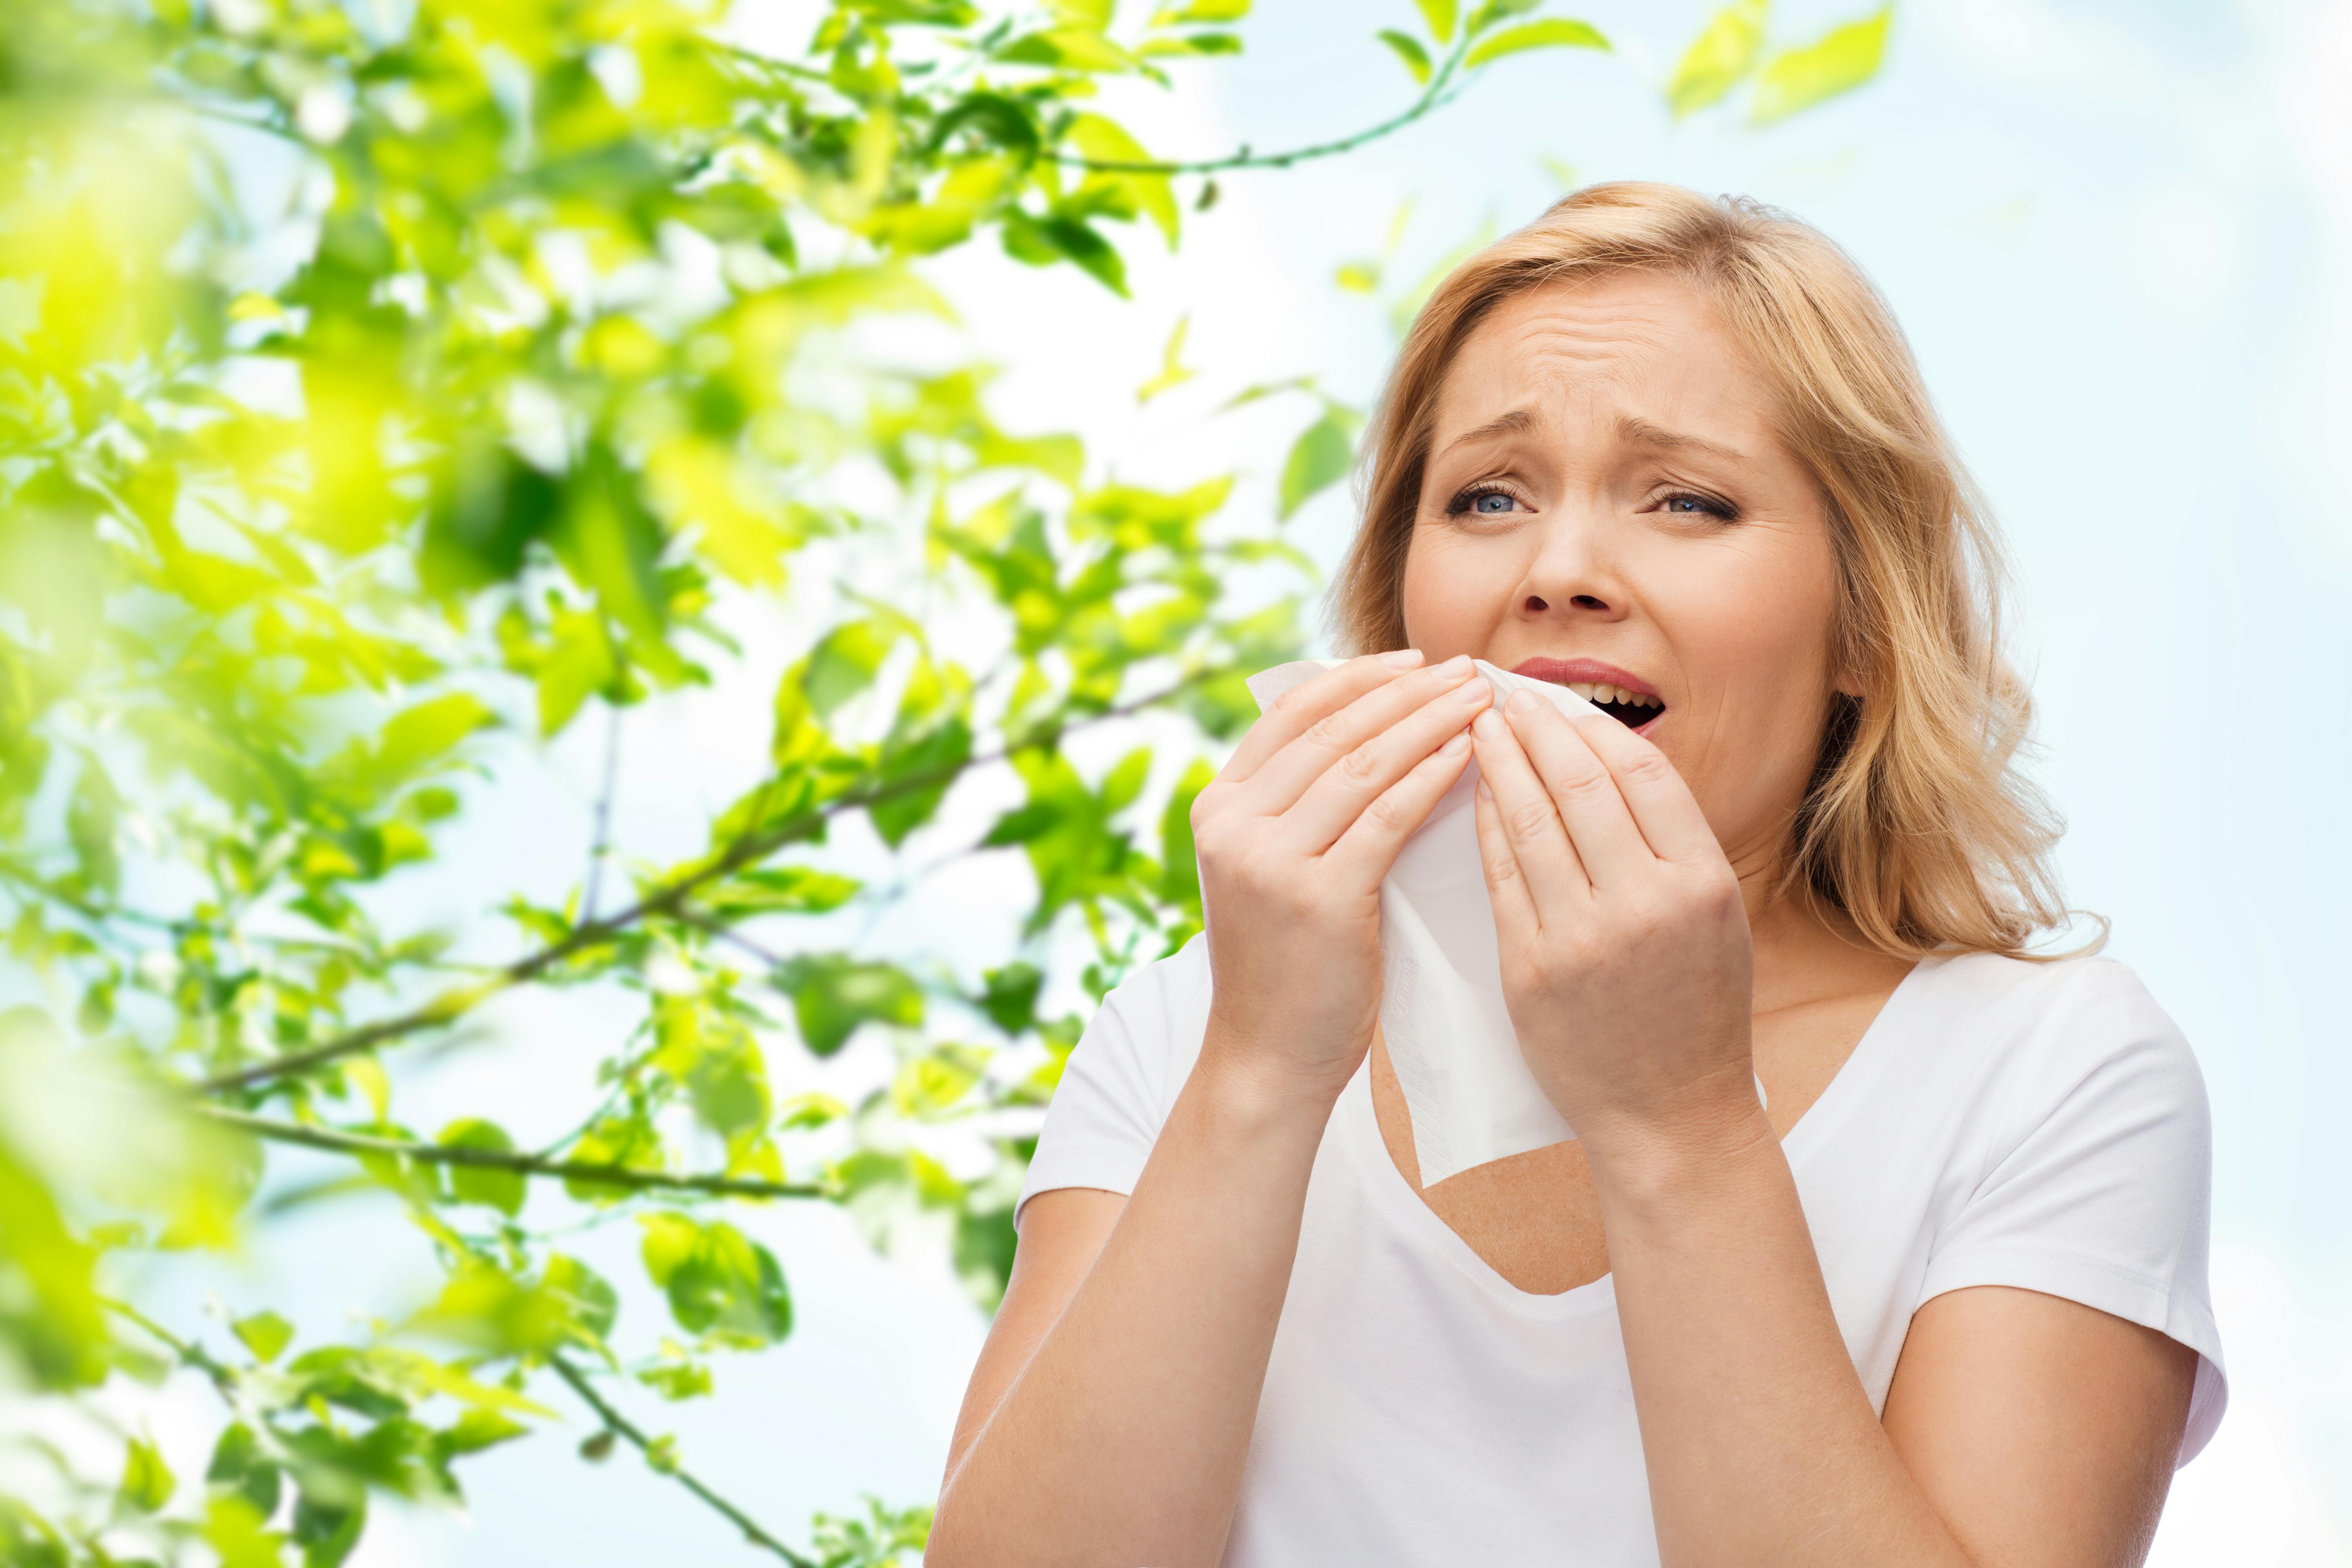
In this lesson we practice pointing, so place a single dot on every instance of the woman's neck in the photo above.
(1807, 951)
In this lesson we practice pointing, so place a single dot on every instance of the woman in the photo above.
(1936, 1296)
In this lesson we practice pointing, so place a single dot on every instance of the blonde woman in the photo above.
(1935, 1297)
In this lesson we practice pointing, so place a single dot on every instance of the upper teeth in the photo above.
(1617, 694)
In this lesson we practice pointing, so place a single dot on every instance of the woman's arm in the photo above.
(1123, 1421)
(1620, 919)
(1112, 1429)
(2023, 1431)
(2044, 1431)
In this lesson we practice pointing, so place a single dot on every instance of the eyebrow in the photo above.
(1629, 427)
(1511, 424)
(1648, 435)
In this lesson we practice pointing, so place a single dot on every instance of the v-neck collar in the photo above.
(1360, 1135)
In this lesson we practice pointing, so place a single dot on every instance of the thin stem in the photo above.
(1436, 95)
(339, 1141)
(600, 848)
(617, 1423)
(664, 901)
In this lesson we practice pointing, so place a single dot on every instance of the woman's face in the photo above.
(1606, 504)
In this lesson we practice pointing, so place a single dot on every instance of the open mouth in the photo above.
(1631, 709)
(1602, 685)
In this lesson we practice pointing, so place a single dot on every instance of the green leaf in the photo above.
(488, 508)
(91, 819)
(1173, 372)
(834, 995)
(711, 1054)
(498, 1189)
(933, 1082)
(577, 663)
(1010, 996)
(1042, 241)
(1724, 52)
(1180, 869)
(984, 1245)
(1208, 11)
(720, 1284)
(421, 736)
(1023, 822)
(1125, 781)
(1495, 11)
(1554, 33)
(677, 1380)
(147, 1481)
(1440, 16)
(610, 541)
(1107, 141)
(1408, 49)
(1319, 459)
(266, 1334)
(1797, 80)
(329, 1519)
(589, 1297)
(845, 662)
(778, 891)
(240, 1469)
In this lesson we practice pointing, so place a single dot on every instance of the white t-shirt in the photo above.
(2001, 1123)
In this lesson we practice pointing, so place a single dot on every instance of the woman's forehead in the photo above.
(1639, 350)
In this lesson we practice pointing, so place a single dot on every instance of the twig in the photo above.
(1436, 95)
(615, 1422)
(665, 901)
(601, 845)
(342, 1142)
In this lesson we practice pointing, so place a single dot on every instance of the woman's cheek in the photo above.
(1455, 592)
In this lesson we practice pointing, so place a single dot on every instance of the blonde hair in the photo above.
(1916, 822)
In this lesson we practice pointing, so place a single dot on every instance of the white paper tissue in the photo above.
(1442, 1012)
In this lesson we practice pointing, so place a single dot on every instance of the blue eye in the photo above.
(1698, 506)
(1486, 503)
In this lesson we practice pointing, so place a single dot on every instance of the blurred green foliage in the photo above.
(389, 391)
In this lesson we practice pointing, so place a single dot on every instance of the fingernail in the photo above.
(1471, 691)
(1486, 727)
(1455, 747)
(1523, 701)
(1402, 658)
(1454, 669)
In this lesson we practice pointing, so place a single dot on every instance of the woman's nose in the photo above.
(1572, 575)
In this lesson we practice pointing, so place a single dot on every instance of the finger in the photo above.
(1369, 845)
(1531, 820)
(1349, 787)
(1276, 785)
(1580, 784)
(1506, 884)
(1301, 707)
(1663, 806)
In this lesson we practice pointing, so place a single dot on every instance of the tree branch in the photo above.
(336, 1140)
(615, 1422)
(1436, 95)
(599, 847)
(667, 900)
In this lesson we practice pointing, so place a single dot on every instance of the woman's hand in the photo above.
(1625, 953)
(1294, 837)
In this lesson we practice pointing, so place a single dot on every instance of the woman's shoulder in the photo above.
(1149, 1027)
(2050, 1031)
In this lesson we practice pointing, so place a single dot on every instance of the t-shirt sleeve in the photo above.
(1120, 1078)
(2104, 1191)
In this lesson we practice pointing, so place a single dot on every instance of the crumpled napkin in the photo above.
(1442, 1012)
